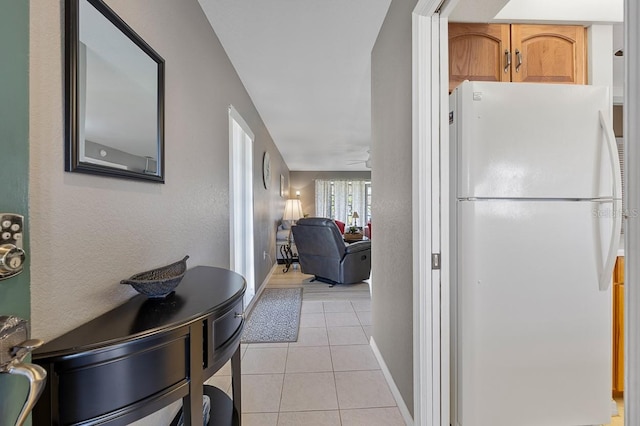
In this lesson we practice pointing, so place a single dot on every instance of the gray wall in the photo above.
(392, 301)
(305, 183)
(89, 232)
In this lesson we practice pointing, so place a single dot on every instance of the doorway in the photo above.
(431, 313)
(241, 200)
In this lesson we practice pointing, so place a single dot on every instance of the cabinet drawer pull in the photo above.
(519, 59)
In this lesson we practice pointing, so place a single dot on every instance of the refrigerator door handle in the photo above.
(612, 148)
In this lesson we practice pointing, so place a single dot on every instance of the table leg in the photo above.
(287, 256)
(236, 386)
(192, 403)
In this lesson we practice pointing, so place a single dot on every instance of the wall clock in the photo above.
(266, 170)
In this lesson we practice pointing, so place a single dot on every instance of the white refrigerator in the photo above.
(537, 216)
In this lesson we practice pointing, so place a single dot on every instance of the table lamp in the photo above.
(292, 212)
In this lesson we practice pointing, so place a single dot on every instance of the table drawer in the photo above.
(225, 326)
(92, 386)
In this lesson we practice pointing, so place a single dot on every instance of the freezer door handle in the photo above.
(612, 148)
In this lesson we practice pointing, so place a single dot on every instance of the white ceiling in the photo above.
(585, 11)
(307, 64)
(307, 67)
(558, 11)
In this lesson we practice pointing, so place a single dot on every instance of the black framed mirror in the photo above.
(114, 96)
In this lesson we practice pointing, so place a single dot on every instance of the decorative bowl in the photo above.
(159, 282)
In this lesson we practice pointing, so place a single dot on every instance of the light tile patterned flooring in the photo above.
(329, 376)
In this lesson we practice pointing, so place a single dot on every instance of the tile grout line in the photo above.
(329, 345)
(284, 373)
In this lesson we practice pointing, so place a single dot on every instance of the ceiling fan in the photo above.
(367, 162)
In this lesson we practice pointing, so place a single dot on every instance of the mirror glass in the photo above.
(115, 96)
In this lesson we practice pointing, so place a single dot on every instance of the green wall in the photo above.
(14, 171)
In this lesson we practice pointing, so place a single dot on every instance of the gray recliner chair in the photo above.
(322, 252)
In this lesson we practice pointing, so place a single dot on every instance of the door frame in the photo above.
(241, 254)
(430, 221)
(631, 132)
(431, 212)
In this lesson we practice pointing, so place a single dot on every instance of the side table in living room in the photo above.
(353, 237)
(288, 256)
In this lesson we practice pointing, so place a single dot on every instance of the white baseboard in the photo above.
(248, 309)
(404, 411)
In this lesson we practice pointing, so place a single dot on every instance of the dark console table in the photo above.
(147, 353)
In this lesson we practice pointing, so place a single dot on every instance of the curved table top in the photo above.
(203, 291)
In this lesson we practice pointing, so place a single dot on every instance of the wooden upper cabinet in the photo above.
(478, 52)
(550, 54)
(519, 53)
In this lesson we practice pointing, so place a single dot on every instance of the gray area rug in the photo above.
(275, 317)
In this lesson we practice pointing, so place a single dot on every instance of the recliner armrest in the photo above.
(358, 246)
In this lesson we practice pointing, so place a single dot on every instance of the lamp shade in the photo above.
(355, 215)
(292, 210)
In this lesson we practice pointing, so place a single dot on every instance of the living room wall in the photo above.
(305, 183)
(89, 232)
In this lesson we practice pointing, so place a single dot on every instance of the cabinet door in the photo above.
(478, 52)
(618, 338)
(618, 326)
(548, 54)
